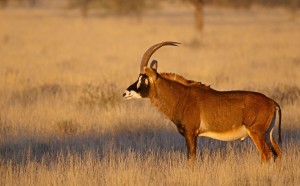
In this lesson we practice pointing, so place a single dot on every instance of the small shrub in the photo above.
(67, 127)
(99, 96)
(3, 3)
(5, 129)
(31, 95)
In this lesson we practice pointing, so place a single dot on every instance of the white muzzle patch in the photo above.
(131, 94)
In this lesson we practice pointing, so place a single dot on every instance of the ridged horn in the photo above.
(151, 51)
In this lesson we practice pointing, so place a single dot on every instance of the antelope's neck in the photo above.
(168, 97)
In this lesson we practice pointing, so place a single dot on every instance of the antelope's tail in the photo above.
(279, 122)
(274, 147)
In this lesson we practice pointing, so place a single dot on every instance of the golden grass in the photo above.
(63, 121)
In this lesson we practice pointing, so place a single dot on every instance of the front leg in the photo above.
(191, 144)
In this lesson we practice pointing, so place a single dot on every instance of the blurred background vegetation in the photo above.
(139, 7)
(127, 6)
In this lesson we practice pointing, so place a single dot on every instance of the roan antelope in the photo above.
(198, 110)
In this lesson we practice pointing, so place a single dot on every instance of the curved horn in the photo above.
(151, 50)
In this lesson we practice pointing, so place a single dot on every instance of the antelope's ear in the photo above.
(152, 74)
(153, 65)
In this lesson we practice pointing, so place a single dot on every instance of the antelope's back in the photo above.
(229, 109)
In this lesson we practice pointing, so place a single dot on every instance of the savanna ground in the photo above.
(63, 120)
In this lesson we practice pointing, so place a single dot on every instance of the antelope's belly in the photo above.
(231, 135)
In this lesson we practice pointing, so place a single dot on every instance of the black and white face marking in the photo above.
(139, 89)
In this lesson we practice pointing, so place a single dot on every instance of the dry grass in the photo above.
(63, 121)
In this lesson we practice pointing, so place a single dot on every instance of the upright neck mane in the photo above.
(182, 80)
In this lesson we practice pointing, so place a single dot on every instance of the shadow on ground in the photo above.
(100, 145)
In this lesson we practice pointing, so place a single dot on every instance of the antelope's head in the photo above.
(147, 76)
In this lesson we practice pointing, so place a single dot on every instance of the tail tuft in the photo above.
(279, 123)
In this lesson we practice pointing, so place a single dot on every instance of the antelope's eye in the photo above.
(146, 81)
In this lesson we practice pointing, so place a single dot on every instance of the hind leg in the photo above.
(270, 140)
(261, 145)
(274, 147)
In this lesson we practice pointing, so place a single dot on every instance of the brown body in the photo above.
(198, 110)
